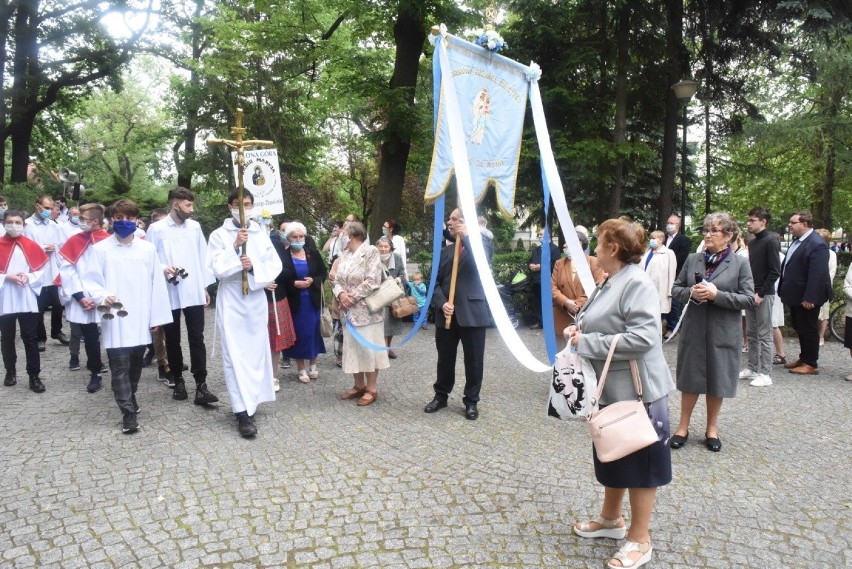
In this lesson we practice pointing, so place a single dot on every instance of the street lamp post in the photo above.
(684, 90)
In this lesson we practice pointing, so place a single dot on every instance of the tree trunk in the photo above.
(622, 57)
(186, 167)
(25, 70)
(409, 32)
(830, 159)
(5, 15)
(676, 67)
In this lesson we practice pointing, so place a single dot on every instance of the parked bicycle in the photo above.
(837, 320)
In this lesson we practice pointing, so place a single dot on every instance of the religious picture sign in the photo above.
(262, 178)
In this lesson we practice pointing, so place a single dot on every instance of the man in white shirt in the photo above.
(182, 251)
(129, 278)
(41, 228)
(241, 319)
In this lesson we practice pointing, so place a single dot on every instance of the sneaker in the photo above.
(42, 346)
(285, 363)
(169, 381)
(203, 395)
(11, 379)
(180, 390)
(162, 374)
(62, 338)
(762, 380)
(129, 424)
(74, 364)
(94, 383)
(745, 349)
(246, 426)
(104, 368)
(748, 374)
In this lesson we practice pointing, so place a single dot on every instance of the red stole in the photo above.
(33, 253)
(77, 244)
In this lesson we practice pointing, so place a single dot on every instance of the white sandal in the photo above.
(303, 376)
(614, 529)
(622, 555)
(312, 372)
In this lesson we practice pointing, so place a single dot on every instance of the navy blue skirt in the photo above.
(650, 467)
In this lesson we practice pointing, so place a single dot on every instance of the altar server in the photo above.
(79, 270)
(241, 319)
(130, 278)
(22, 263)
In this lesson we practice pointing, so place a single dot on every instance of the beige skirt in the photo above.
(357, 358)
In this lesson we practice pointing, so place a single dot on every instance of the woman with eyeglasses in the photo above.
(714, 286)
(303, 272)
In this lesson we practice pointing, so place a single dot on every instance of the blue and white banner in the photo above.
(492, 96)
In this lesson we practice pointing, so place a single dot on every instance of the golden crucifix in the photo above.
(238, 144)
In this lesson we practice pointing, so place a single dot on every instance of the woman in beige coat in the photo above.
(568, 294)
(660, 265)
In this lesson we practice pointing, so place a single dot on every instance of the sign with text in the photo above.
(261, 176)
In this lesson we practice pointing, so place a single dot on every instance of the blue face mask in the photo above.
(3, 211)
(385, 231)
(297, 245)
(123, 228)
(45, 214)
(75, 220)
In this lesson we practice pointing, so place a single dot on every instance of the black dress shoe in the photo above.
(11, 379)
(471, 412)
(713, 443)
(678, 441)
(434, 405)
(36, 385)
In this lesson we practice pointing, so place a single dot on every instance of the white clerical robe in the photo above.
(46, 232)
(133, 274)
(14, 298)
(241, 320)
(184, 246)
(84, 277)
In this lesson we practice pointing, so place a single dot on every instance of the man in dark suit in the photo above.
(534, 265)
(805, 285)
(470, 319)
(680, 245)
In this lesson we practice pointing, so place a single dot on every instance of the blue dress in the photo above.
(306, 321)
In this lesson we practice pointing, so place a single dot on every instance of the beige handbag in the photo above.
(623, 427)
(387, 292)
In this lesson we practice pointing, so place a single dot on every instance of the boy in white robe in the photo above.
(129, 274)
(78, 271)
(22, 263)
(180, 244)
(241, 320)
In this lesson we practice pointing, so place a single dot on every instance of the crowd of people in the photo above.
(126, 289)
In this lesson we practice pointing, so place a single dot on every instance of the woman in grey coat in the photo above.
(625, 303)
(716, 285)
(393, 264)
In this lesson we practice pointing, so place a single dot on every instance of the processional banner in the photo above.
(492, 96)
(261, 176)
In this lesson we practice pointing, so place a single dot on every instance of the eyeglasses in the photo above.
(794, 222)
(712, 231)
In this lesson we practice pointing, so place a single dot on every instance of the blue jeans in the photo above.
(125, 365)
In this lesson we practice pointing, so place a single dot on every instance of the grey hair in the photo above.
(385, 240)
(294, 226)
(355, 229)
(724, 221)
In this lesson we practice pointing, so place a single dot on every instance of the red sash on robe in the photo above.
(76, 245)
(33, 253)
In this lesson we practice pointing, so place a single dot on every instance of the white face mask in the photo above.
(235, 212)
(385, 256)
(14, 229)
(567, 253)
(653, 244)
(671, 228)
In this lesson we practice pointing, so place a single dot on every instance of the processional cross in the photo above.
(239, 145)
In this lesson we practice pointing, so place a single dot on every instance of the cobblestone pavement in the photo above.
(330, 484)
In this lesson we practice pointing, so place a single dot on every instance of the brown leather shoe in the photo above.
(368, 398)
(353, 393)
(805, 369)
(791, 365)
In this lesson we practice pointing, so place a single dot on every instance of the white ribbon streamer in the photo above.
(468, 208)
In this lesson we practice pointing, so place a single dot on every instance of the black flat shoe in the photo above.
(434, 405)
(471, 413)
(678, 441)
(712, 443)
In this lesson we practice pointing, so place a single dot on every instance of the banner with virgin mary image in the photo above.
(262, 178)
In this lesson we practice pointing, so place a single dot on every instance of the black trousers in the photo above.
(806, 324)
(447, 343)
(28, 323)
(195, 334)
(535, 292)
(49, 298)
(125, 366)
(92, 340)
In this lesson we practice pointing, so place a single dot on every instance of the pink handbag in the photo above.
(623, 427)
